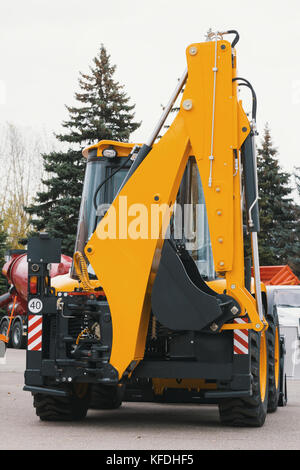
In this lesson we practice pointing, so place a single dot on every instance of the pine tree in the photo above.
(277, 243)
(295, 261)
(104, 112)
(57, 208)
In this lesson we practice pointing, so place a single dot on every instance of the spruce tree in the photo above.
(277, 242)
(294, 262)
(104, 112)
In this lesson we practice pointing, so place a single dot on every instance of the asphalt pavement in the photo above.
(136, 426)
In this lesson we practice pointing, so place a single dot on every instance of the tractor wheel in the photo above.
(273, 345)
(250, 411)
(73, 407)
(18, 341)
(106, 397)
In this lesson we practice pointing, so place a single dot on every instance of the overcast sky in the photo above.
(44, 44)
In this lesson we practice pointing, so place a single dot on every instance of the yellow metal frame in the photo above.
(125, 267)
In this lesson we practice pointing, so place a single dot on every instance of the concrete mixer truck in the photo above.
(13, 303)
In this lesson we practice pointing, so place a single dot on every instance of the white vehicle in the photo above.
(286, 300)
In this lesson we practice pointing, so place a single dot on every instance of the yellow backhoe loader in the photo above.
(159, 304)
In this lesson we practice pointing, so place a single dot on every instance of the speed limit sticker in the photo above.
(35, 305)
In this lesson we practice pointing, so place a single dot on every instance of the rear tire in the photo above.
(106, 397)
(3, 331)
(71, 408)
(250, 411)
(17, 339)
(273, 344)
(283, 397)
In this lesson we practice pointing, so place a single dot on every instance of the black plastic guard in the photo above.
(181, 299)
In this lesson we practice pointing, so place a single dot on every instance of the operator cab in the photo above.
(103, 177)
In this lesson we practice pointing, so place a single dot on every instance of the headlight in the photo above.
(109, 153)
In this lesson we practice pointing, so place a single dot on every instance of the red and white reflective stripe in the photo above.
(240, 338)
(34, 333)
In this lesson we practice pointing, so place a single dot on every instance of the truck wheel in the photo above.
(18, 341)
(283, 397)
(273, 344)
(71, 408)
(106, 397)
(250, 411)
(3, 330)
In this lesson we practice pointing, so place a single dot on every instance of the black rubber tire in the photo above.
(3, 330)
(18, 341)
(248, 411)
(283, 396)
(274, 390)
(106, 397)
(57, 408)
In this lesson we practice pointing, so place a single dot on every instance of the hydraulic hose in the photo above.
(254, 99)
(82, 272)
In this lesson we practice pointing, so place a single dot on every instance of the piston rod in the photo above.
(167, 109)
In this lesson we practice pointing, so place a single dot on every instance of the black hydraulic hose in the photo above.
(237, 37)
(254, 101)
(254, 98)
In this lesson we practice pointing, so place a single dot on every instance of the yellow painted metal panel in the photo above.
(127, 272)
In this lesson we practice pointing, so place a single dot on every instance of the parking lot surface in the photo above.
(136, 425)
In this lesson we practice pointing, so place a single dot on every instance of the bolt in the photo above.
(257, 326)
(193, 50)
(234, 310)
(223, 47)
(89, 250)
(232, 286)
(219, 212)
(187, 105)
(218, 189)
(220, 240)
(244, 129)
(214, 327)
(221, 263)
